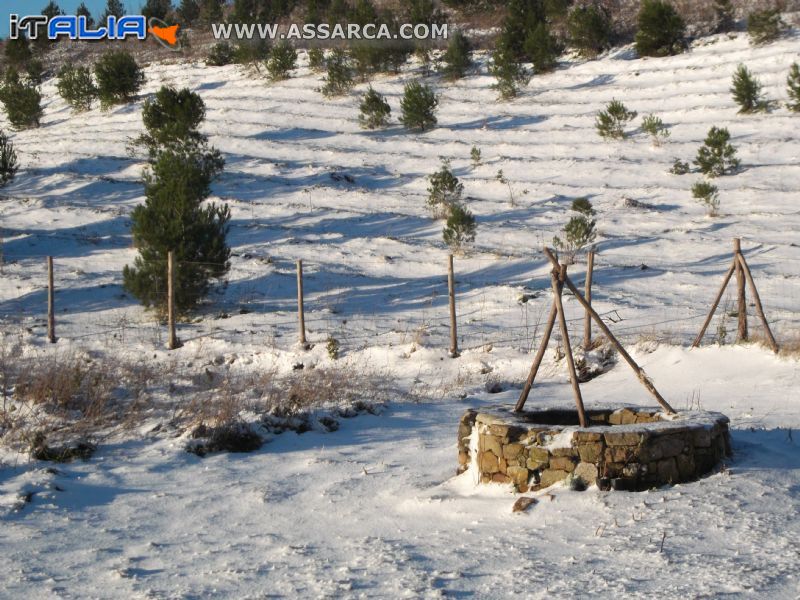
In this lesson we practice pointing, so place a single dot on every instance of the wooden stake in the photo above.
(587, 324)
(714, 306)
(757, 299)
(557, 282)
(741, 299)
(451, 291)
(548, 330)
(51, 308)
(607, 332)
(301, 321)
(172, 339)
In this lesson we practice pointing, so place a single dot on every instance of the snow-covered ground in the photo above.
(372, 509)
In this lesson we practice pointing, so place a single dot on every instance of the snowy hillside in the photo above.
(372, 509)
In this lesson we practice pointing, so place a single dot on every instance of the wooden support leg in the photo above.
(607, 332)
(714, 306)
(741, 299)
(757, 299)
(548, 330)
(558, 287)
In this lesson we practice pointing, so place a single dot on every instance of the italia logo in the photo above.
(76, 28)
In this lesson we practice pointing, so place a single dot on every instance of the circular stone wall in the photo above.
(626, 449)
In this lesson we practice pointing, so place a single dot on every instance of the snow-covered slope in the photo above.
(372, 510)
(374, 258)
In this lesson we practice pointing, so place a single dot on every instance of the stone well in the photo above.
(626, 449)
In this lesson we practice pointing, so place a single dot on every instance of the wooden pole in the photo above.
(642, 376)
(301, 321)
(557, 282)
(548, 330)
(51, 308)
(451, 291)
(757, 299)
(172, 339)
(587, 324)
(714, 306)
(741, 299)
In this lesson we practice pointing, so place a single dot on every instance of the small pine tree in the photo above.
(475, 156)
(171, 119)
(114, 8)
(655, 128)
(793, 88)
(579, 230)
(333, 347)
(210, 12)
(542, 48)
(83, 11)
(175, 218)
(35, 71)
(724, 16)
(157, 9)
(375, 110)
(76, 87)
(589, 29)
(510, 74)
(746, 90)
(339, 79)
(418, 106)
(316, 59)
(764, 26)
(444, 191)
(188, 12)
(221, 54)
(460, 228)
(680, 167)
(118, 77)
(21, 101)
(610, 123)
(708, 195)
(717, 156)
(458, 57)
(252, 52)
(18, 52)
(661, 30)
(8, 160)
(282, 59)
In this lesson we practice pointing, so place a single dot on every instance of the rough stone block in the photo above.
(587, 472)
(664, 447)
(686, 466)
(627, 416)
(591, 453)
(667, 471)
(620, 454)
(512, 450)
(489, 463)
(539, 455)
(500, 478)
(463, 458)
(551, 476)
(518, 476)
(499, 431)
(489, 443)
(502, 465)
(619, 438)
(568, 451)
(563, 463)
(583, 437)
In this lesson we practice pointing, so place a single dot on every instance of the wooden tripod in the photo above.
(742, 271)
(559, 279)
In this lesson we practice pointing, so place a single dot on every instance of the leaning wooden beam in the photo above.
(607, 332)
(741, 298)
(548, 330)
(714, 306)
(558, 286)
(760, 309)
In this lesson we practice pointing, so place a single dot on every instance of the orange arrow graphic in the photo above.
(168, 34)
